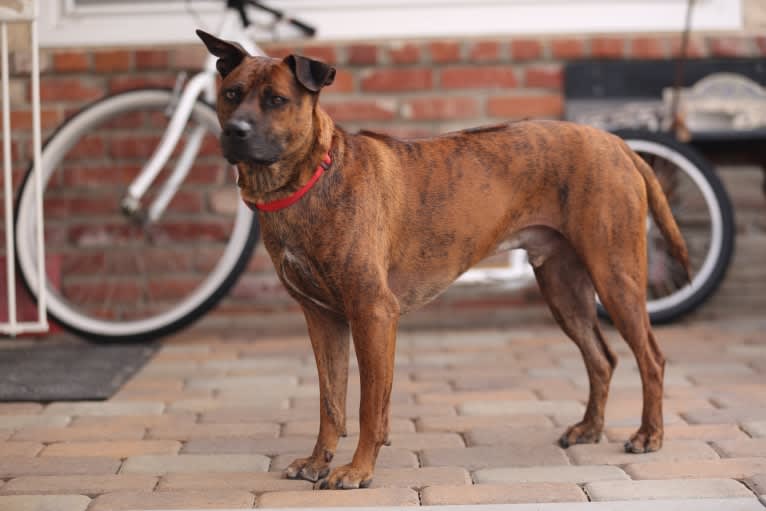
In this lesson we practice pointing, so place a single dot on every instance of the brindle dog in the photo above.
(392, 223)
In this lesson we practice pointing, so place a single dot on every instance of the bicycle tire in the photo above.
(712, 272)
(246, 228)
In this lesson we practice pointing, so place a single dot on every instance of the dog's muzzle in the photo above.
(241, 143)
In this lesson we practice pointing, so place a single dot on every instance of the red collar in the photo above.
(295, 197)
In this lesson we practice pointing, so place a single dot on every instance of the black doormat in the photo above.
(68, 372)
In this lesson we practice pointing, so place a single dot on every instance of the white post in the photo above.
(27, 14)
(8, 183)
(42, 316)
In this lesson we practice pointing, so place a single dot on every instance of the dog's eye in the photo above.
(232, 95)
(277, 100)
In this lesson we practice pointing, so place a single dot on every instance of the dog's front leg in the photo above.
(374, 331)
(330, 340)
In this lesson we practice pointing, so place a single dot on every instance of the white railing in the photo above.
(21, 11)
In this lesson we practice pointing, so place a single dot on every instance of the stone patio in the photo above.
(211, 421)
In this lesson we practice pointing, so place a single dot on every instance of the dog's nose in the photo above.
(238, 128)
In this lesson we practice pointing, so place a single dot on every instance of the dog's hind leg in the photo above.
(567, 287)
(624, 298)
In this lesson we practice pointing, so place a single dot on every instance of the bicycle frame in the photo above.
(518, 273)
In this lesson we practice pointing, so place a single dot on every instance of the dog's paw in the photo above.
(643, 441)
(310, 469)
(347, 477)
(581, 433)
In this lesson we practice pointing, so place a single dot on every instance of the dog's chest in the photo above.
(303, 279)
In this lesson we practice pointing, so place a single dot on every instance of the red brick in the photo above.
(697, 47)
(133, 146)
(89, 206)
(98, 293)
(522, 106)
(71, 61)
(169, 288)
(404, 54)
(152, 59)
(187, 201)
(730, 46)
(127, 82)
(526, 49)
(280, 52)
(478, 77)
(94, 177)
(444, 108)
(200, 230)
(761, 42)
(568, 48)
(69, 89)
(485, 51)
(22, 119)
(90, 146)
(444, 51)
(111, 61)
(210, 147)
(396, 80)
(607, 47)
(362, 54)
(361, 110)
(326, 54)
(127, 121)
(544, 76)
(648, 48)
(344, 82)
(188, 57)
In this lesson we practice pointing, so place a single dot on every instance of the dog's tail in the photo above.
(663, 217)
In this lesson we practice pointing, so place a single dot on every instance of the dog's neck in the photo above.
(300, 165)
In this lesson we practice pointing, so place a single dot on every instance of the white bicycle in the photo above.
(166, 236)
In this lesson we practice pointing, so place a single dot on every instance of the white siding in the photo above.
(110, 22)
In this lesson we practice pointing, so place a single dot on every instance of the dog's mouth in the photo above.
(253, 161)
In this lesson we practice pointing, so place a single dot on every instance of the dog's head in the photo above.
(266, 108)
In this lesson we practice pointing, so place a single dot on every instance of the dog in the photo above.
(364, 227)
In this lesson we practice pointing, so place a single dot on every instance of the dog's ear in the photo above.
(229, 53)
(310, 73)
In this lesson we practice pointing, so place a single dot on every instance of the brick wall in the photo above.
(408, 88)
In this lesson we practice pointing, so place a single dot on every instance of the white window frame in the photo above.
(64, 23)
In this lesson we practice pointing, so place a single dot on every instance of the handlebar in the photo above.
(239, 6)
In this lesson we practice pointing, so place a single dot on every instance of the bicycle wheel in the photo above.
(704, 214)
(119, 279)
